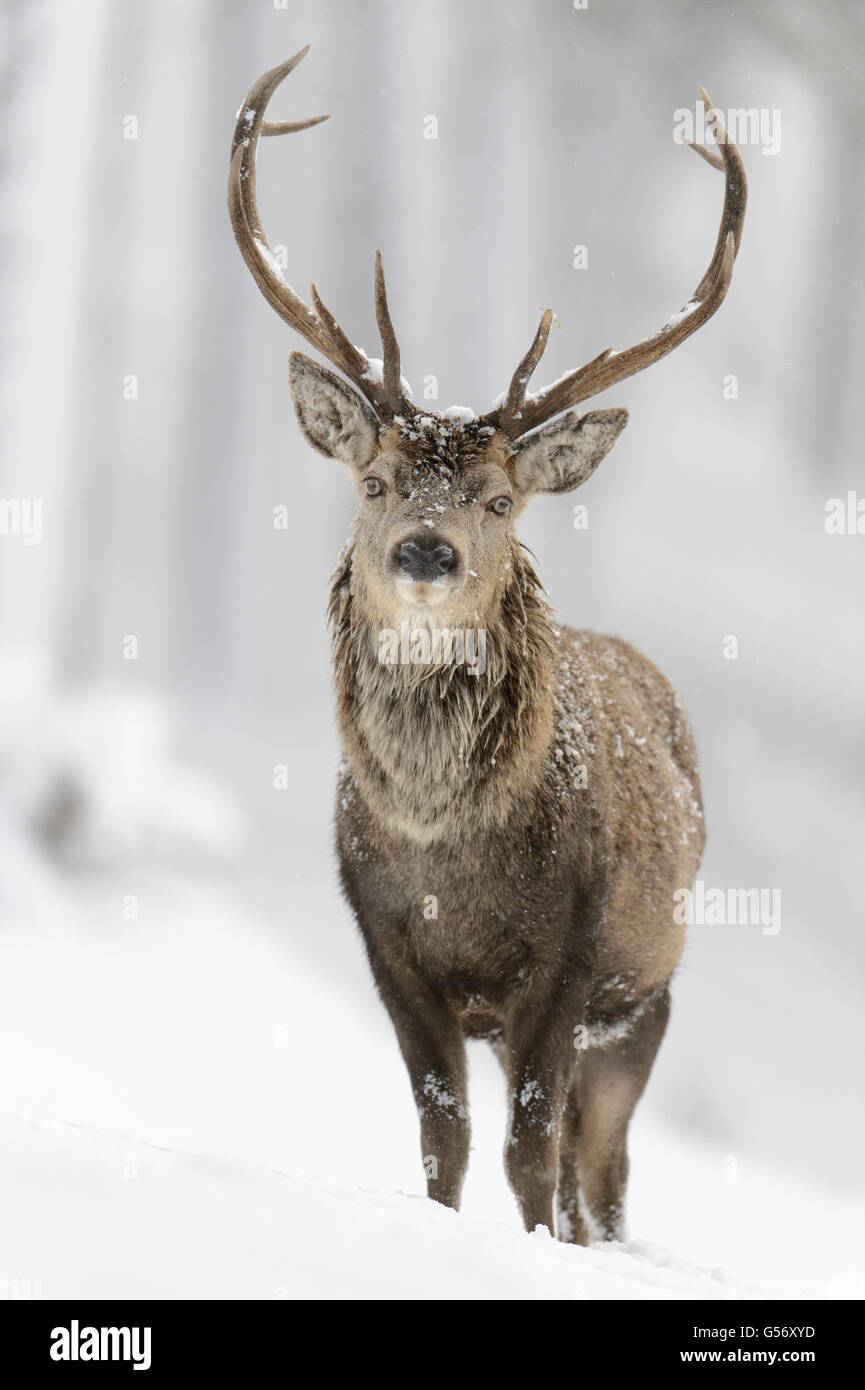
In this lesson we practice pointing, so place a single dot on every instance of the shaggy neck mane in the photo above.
(435, 747)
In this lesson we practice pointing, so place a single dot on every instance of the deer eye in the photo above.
(500, 505)
(373, 487)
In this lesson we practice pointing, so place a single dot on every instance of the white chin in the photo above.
(417, 595)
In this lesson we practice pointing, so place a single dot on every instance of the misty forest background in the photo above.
(120, 778)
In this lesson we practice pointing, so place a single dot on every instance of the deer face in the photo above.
(438, 495)
(434, 525)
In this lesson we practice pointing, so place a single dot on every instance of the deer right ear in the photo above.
(333, 417)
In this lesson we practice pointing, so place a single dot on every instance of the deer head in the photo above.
(439, 492)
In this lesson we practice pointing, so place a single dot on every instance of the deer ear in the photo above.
(333, 417)
(565, 453)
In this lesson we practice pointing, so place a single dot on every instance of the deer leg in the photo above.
(539, 1072)
(593, 1171)
(568, 1188)
(437, 1068)
(538, 1090)
(431, 1040)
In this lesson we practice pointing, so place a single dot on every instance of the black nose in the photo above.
(424, 559)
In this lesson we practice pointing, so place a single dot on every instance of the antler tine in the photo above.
(735, 192)
(611, 367)
(714, 159)
(318, 327)
(391, 375)
(516, 395)
(290, 127)
(339, 344)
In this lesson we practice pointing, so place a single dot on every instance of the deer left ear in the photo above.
(562, 455)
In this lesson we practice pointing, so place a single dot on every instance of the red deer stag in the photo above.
(511, 831)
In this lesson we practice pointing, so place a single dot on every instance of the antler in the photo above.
(521, 412)
(317, 325)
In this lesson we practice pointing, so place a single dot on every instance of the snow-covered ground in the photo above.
(190, 1107)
